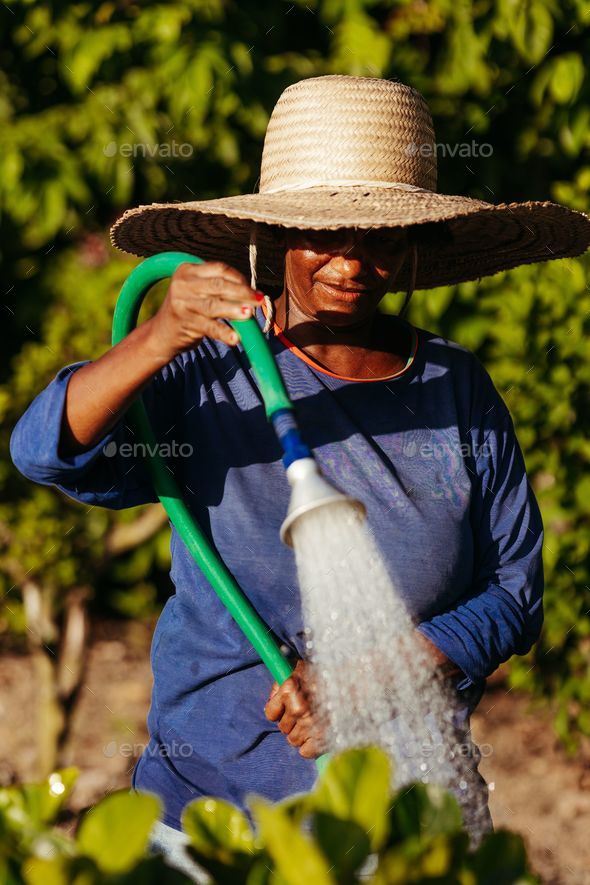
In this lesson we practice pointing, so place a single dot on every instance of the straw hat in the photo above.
(347, 151)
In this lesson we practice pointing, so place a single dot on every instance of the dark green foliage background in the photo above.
(80, 77)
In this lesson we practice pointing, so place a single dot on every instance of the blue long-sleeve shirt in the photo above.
(433, 455)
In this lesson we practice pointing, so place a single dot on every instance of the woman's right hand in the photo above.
(198, 297)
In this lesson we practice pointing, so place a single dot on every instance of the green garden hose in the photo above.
(278, 409)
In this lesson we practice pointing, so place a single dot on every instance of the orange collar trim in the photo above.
(306, 359)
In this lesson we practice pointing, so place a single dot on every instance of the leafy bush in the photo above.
(530, 328)
(323, 837)
(89, 78)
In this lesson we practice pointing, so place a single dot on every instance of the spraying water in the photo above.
(375, 683)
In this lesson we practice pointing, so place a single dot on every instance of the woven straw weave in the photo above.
(346, 151)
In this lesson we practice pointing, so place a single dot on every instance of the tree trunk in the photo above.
(41, 634)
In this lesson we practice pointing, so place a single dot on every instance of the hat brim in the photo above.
(486, 237)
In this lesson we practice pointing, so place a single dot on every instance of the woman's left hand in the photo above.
(289, 704)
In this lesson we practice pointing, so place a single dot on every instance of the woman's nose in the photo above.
(351, 244)
(348, 263)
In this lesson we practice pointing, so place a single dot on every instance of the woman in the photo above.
(406, 421)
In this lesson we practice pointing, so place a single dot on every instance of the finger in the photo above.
(311, 749)
(218, 308)
(274, 689)
(288, 722)
(301, 731)
(295, 708)
(307, 678)
(300, 668)
(296, 704)
(211, 269)
(218, 330)
(222, 268)
(199, 287)
(276, 706)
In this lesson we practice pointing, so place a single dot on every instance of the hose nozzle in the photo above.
(310, 491)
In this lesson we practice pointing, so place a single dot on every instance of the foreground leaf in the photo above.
(221, 839)
(34, 806)
(60, 871)
(218, 829)
(424, 810)
(298, 861)
(115, 832)
(344, 843)
(355, 786)
(501, 860)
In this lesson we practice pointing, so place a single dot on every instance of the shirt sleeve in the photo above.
(503, 613)
(113, 472)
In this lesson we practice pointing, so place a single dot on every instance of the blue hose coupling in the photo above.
(285, 426)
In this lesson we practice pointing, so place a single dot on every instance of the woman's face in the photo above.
(340, 276)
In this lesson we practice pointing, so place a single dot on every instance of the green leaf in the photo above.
(439, 859)
(298, 860)
(149, 871)
(261, 873)
(297, 806)
(221, 839)
(59, 871)
(83, 871)
(33, 806)
(424, 810)
(218, 829)
(39, 871)
(531, 27)
(355, 786)
(91, 50)
(500, 859)
(343, 842)
(567, 77)
(583, 494)
(115, 832)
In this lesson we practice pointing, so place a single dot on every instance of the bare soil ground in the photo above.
(536, 789)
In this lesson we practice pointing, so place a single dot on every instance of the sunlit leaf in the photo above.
(115, 832)
(355, 786)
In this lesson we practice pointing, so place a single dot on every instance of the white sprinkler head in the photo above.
(310, 491)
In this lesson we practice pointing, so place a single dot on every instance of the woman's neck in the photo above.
(365, 350)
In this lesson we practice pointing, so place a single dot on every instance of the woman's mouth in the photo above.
(345, 293)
